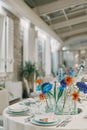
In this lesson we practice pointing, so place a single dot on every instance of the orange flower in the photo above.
(38, 80)
(41, 96)
(75, 96)
(68, 80)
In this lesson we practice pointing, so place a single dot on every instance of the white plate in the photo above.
(17, 113)
(18, 108)
(42, 124)
(45, 119)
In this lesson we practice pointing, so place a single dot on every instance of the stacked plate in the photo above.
(44, 120)
(17, 109)
(28, 102)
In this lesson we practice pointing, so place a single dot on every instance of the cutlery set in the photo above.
(64, 122)
(61, 124)
(28, 119)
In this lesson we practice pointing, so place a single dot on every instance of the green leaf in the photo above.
(27, 70)
(55, 91)
(49, 93)
(60, 94)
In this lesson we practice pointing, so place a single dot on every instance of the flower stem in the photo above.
(64, 99)
(47, 103)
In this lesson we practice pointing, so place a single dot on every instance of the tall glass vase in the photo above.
(74, 108)
(65, 105)
(49, 107)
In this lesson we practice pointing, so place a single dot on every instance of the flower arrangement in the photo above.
(69, 87)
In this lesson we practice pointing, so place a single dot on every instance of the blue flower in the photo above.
(46, 87)
(60, 75)
(38, 87)
(63, 84)
(82, 86)
(71, 72)
(60, 88)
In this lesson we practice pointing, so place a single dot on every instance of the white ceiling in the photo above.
(67, 18)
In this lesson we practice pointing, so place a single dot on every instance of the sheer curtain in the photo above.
(6, 44)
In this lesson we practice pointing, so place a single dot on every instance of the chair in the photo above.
(4, 102)
(28, 93)
(1, 128)
(15, 89)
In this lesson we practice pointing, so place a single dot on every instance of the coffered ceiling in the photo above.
(68, 18)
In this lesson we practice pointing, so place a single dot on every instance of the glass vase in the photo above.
(49, 105)
(74, 108)
(65, 105)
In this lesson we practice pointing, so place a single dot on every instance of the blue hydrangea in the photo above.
(82, 86)
(46, 87)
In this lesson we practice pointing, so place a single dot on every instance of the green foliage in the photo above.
(27, 70)
(55, 91)
(59, 94)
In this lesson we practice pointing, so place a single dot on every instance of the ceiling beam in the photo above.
(68, 15)
(58, 5)
(74, 32)
(69, 22)
(24, 11)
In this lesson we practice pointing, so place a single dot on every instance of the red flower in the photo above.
(75, 95)
(68, 80)
(41, 96)
(38, 80)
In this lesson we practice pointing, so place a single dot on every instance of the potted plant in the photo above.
(28, 72)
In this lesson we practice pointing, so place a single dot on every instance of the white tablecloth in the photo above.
(78, 122)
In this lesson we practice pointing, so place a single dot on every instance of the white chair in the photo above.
(4, 102)
(1, 128)
(15, 88)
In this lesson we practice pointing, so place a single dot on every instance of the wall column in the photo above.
(60, 57)
(48, 56)
(79, 56)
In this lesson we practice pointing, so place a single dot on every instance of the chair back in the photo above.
(4, 102)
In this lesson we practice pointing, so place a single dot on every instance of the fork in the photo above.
(63, 122)
(28, 119)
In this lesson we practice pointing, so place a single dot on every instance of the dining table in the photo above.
(24, 121)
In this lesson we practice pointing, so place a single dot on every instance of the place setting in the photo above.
(28, 102)
(45, 120)
(18, 110)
